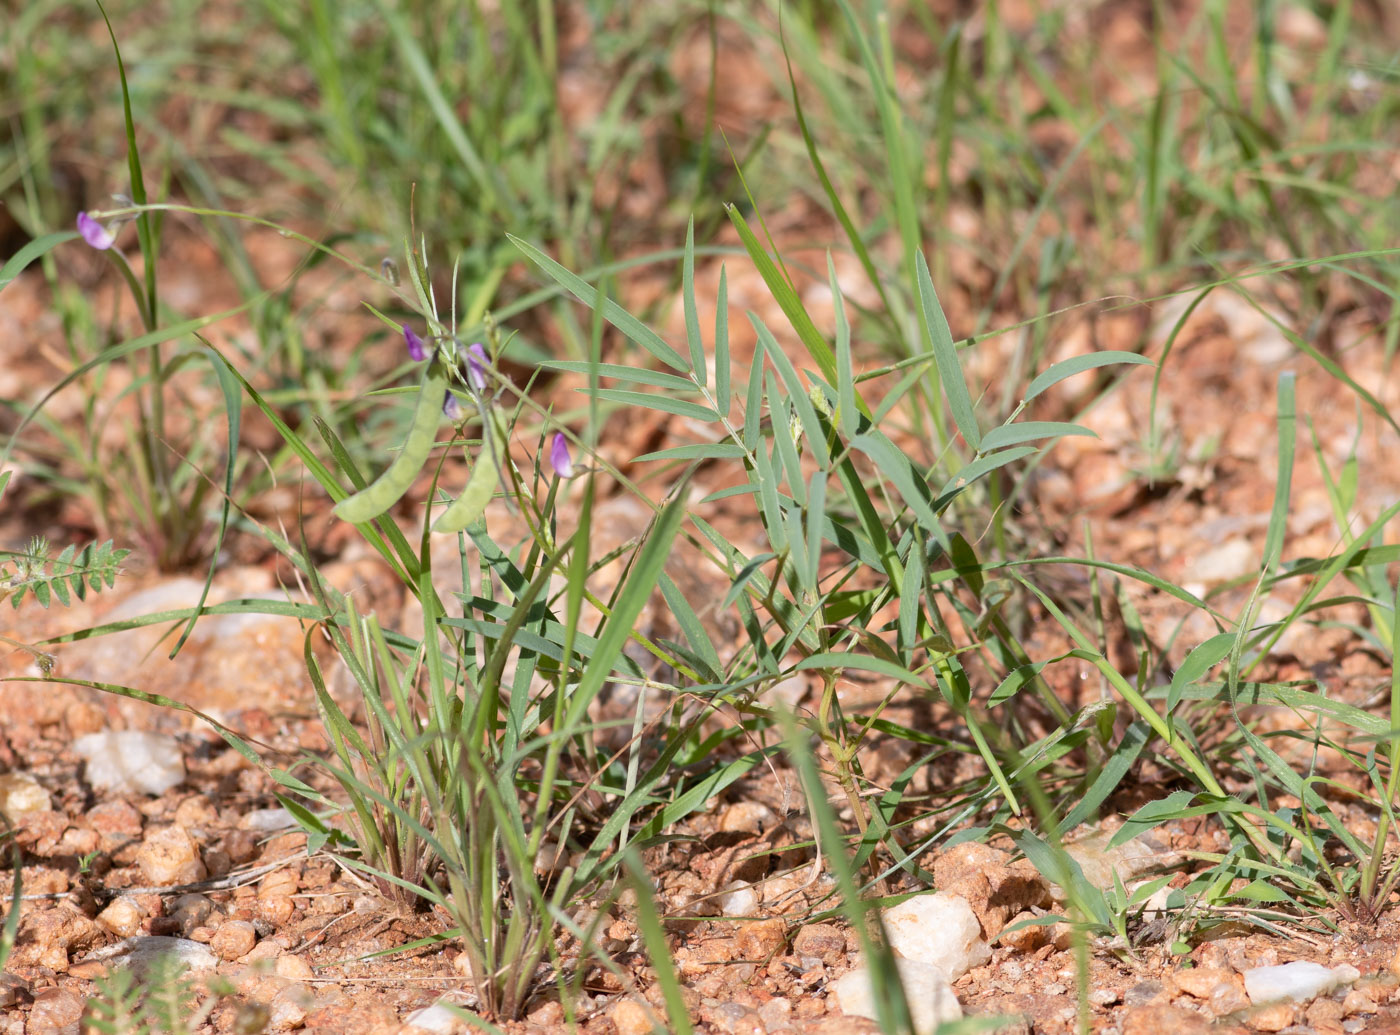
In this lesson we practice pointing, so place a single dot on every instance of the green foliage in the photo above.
(161, 999)
(71, 574)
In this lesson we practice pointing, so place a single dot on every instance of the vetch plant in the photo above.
(470, 789)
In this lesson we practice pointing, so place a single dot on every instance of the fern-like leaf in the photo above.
(73, 572)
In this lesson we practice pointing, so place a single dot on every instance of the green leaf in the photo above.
(787, 299)
(1057, 372)
(662, 403)
(1030, 431)
(697, 451)
(846, 415)
(631, 598)
(797, 393)
(945, 355)
(746, 573)
(691, 626)
(895, 466)
(637, 375)
(835, 661)
(35, 249)
(1287, 433)
(692, 315)
(1196, 664)
(620, 318)
(978, 468)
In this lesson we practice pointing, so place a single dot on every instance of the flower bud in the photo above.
(559, 456)
(477, 362)
(417, 350)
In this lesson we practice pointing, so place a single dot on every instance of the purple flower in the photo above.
(559, 456)
(477, 362)
(451, 408)
(94, 233)
(417, 350)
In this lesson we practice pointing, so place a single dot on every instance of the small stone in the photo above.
(940, 930)
(20, 793)
(189, 912)
(630, 1017)
(1358, 1001)
(289, 1007)
(776, 1014)
(1146, 993)
(1102, 865)
(265, 821)
(437, 1019)
(995, 887)
(169, 856)
(123, 917)
(735, 1019)
(131, 761)
(749, 817)
(785, 693)
(1104, 997)
(141, 951)
(738, 899)
(11, 988)
(1162, 1019)
(1274, 1017)
(1200, 981)
(1295, 982)
(117, 823)
(78, 841)
(56, 1011)
(1231, 559)
(927, 991)
(827, 942)
(275, 896)
(48, 936)
(293, 968)
(761, 939)
(1023, 939)
(41, 832)
(1227, 997)
(1326, 1015)
(234, 939)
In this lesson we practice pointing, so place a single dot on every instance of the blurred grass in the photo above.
(1239, 134)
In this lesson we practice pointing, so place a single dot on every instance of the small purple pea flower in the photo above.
(417, 350)
(94, 233)
(559, 456)
(451, 408)
(477, 362)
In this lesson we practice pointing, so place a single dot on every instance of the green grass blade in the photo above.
(1056, 373)
(787, 299)
(692, 315)
(35, 249)
(945, 355)
(1030, 431)
(620, 318)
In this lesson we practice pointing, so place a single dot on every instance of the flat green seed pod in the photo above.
(480, 487)
(386, 490)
